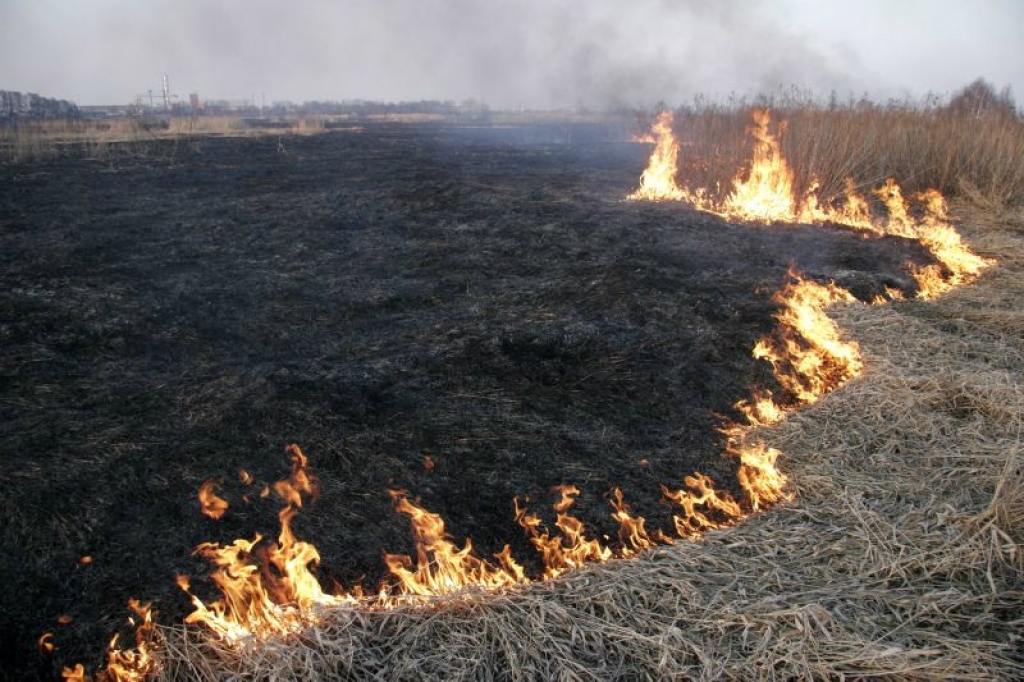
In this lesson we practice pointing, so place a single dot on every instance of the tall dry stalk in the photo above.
(925, 146)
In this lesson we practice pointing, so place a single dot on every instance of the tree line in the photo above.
(16, 106)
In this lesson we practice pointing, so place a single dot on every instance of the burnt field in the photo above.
(466, 314)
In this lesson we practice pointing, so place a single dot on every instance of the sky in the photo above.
(534, 54)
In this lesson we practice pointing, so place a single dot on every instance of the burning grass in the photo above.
(809, 360)
(901, 556)
(924, 145)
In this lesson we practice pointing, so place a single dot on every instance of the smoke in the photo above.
(508, 53)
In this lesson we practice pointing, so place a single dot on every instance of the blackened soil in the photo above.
(481, 297)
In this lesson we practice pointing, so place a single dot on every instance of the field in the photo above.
(474, 314)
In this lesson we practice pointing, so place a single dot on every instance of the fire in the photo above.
(126, 665)
(45, 644)
(441, 567)
(270, 587)
(767, 192)
(957, 264)
(762, 482)
(658, 181)
(701, 503)
(632, 535)
(569, 548)
(266, 588)
(807, 351)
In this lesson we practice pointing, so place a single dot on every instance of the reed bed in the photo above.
(923, 147)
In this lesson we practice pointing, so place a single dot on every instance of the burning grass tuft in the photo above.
(900, 557)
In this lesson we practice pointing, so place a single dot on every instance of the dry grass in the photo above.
(902, 556)
(921, 147)
(46, 140)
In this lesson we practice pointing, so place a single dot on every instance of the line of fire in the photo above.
(270, 587)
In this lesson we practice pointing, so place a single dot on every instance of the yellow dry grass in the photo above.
(921, 147)
(902, 556)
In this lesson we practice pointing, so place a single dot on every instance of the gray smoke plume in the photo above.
(533, 53)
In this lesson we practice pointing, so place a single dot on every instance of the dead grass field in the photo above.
(901, 557)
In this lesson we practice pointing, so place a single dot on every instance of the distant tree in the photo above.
(980, 99)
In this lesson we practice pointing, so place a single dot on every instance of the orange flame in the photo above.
(76, 674)
(45, 643)
(701, 503)
(125, 665)
(300, 482)
(265, 588)
(270, 588)
(807, 352)
(568, 549)
(658, 181)
(761, 481)
(632, 534)
(441, 567)
(767, 192)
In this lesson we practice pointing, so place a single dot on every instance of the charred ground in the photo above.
(480, 296)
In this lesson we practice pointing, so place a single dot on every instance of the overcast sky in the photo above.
(508, 53)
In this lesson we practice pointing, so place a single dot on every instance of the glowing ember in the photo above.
(45, 644)
(658, 181)
(211, 505)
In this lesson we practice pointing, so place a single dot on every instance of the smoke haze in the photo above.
(507, 53)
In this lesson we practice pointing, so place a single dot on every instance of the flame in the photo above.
(701, 503)
(136, 664)
(658, 181)
(807, 351)
(441, 567)
(632, 534)
(292, 488)
(767, 192)
(568, 549)
(944, 242)
(76, 674)
(210, 504)
(265, 588)
(761, 409)
(760, 478)
(125, 665)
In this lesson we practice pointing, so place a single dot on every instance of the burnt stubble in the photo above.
(479, 296)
